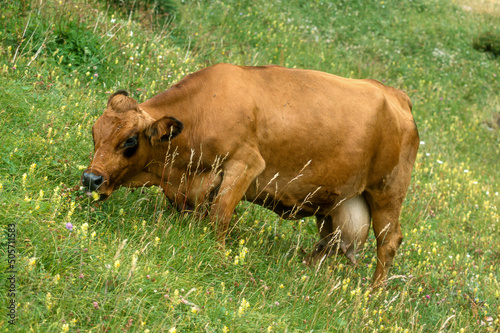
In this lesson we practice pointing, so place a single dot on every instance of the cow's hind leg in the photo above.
(387, 231)
(328, 243)
(385, 200)
(238, 174)
(385, 203)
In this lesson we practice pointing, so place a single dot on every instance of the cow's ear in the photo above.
(164, 129)
(120, 102)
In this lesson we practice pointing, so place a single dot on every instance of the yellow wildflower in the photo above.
(31, 263)
(48, 301)
(243, 306)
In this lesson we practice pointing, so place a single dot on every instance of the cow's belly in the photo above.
(295, 199)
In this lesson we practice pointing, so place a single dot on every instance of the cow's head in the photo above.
(124, 139)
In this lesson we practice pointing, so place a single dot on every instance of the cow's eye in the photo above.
(131, 142)
(130, 146)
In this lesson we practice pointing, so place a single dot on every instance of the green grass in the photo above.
(133, 264)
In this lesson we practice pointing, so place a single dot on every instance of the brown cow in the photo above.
(299, 142)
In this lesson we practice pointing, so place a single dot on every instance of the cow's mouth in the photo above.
(94, 195)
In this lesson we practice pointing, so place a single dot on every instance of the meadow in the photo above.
(133, 264)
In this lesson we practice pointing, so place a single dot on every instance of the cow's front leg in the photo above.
(238, 173)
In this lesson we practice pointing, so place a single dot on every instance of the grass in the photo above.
(133, 264)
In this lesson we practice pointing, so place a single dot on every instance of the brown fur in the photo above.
(120, 102)
(296, 141)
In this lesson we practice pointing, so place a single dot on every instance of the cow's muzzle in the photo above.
(91, 182)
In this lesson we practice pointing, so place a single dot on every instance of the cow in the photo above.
(299, 142)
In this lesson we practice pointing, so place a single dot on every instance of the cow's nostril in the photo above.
(98, 181)
(91, 181)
